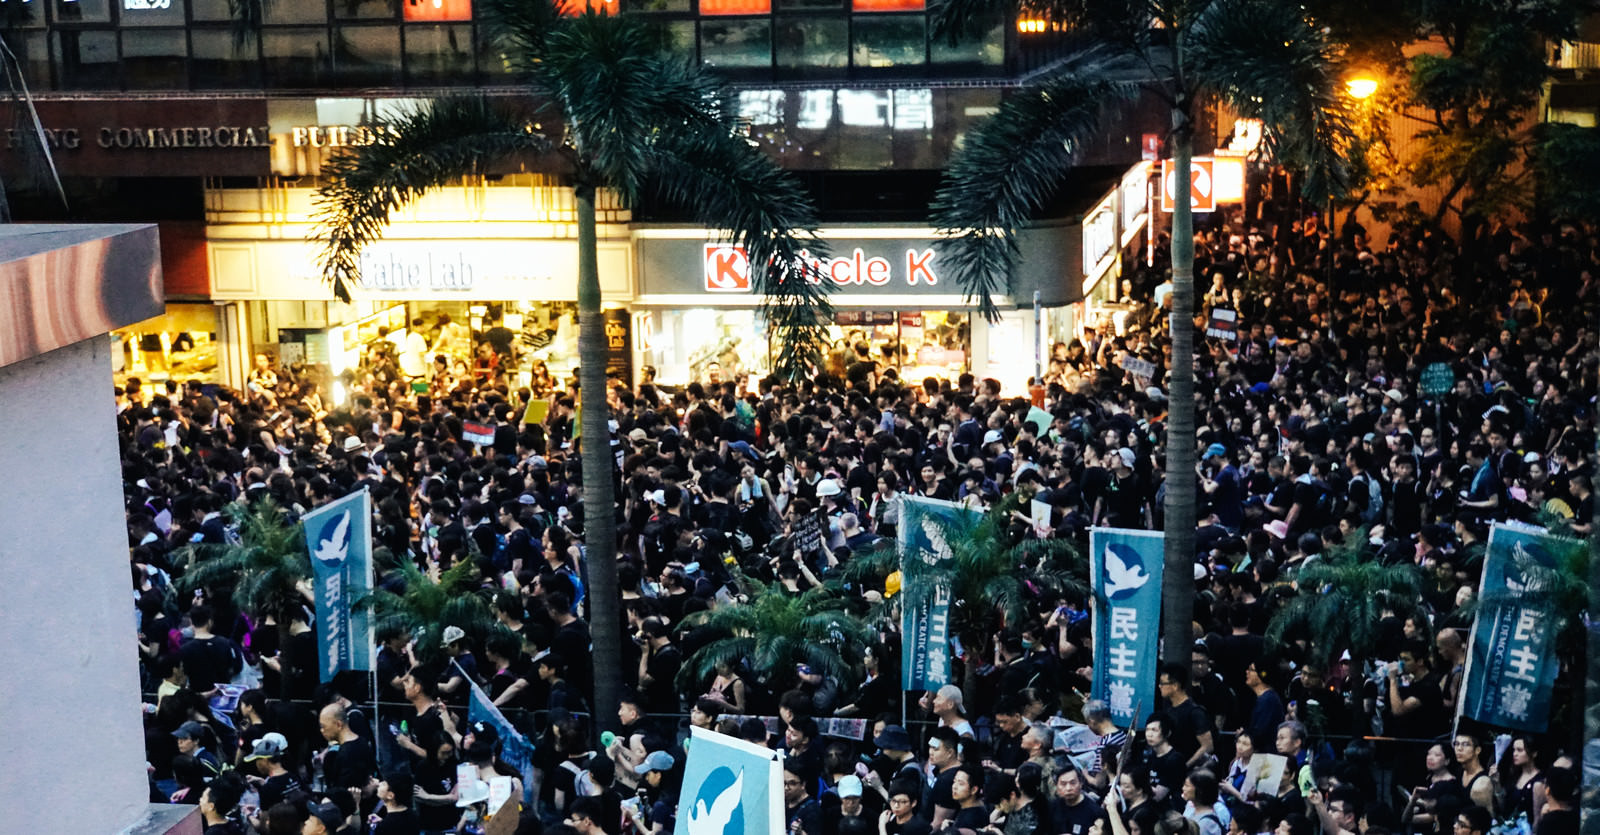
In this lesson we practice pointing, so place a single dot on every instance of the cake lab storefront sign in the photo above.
(416, 270)
(727, 268)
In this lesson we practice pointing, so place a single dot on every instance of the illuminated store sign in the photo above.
(1099, 240)
(727, 268)
(905, 109)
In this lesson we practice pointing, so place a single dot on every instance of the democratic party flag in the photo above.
(925, 613)
(730, 787)
(1125, 570)
(339, 537)
(1511, 663)
(515, 749)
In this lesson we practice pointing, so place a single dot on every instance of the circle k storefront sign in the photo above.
(1202, 191)
(727, 268)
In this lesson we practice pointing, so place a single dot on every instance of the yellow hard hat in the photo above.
(891, 584)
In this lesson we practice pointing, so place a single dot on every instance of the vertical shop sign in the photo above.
(1126, 570)
(619, 345)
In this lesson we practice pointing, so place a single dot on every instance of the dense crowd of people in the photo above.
(1316, 435)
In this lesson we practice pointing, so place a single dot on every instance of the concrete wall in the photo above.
(70, 747)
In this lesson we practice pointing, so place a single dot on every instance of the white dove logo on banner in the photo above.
(1125, 574)
(715, 819)
(333, 547)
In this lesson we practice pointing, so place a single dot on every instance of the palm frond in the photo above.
(1342, 598)
(1271, 62)
(729, 184)
(1009, 167)
(262, 570)
(424, 608)
(774, 630)
(441, 141)
(518, 28)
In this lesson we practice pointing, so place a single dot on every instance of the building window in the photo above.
(88, 59)
(657, 5)
(294, 11)
(889, 41)
(439, 54)
(366, 55)
(806, 42)
(366, 9)
(988, 49)
(83, 11)
(152, 12)
(295, 57)
(210, 11)
(222, 60)
(736, 43)
(155, 59)
(730, 7)
(33, 52)
(436, 10)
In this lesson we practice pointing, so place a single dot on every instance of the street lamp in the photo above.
(1361, 87)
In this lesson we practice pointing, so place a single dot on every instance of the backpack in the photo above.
(1374, 509)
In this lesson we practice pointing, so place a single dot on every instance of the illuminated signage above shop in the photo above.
(727, 268)
(145, 5)
(1099, 241)
(437, 10)
(904, 109)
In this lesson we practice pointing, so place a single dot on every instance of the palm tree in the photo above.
(773, 630)
(639, 123)
(1341, 599)
(425, 606)
(266, 570)
(1265, 59)
(991, 576)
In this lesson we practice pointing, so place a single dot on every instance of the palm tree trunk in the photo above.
(599, 496)
(1177, 578)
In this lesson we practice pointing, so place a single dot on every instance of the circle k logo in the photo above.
(727, 269)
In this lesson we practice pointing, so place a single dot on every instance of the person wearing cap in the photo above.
(848, 791)
(653, 814)
(326, 818)
(1126, 505)
(276, 780)
(455, 680)
(191, 737)
(1222, 484)
(899, 762)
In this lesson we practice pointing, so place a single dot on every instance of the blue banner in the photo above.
(730, 787)
(1125, 572)
(1511, 661)
(925, 613)
(515, 748)
(339, 536)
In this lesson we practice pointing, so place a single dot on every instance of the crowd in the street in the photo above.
(1315, 435)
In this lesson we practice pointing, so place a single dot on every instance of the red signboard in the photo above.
(437, 10)
(882, 5)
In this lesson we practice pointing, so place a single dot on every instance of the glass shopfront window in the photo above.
(223, 61)
(303, 11)
(211, 11)
(704, 344)
(889, 41)
(736, 43)
(916, 343)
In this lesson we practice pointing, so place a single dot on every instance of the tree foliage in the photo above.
(773, 630)
(264, 568)
(635, 120)
(425, 606)
(1341, 599)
